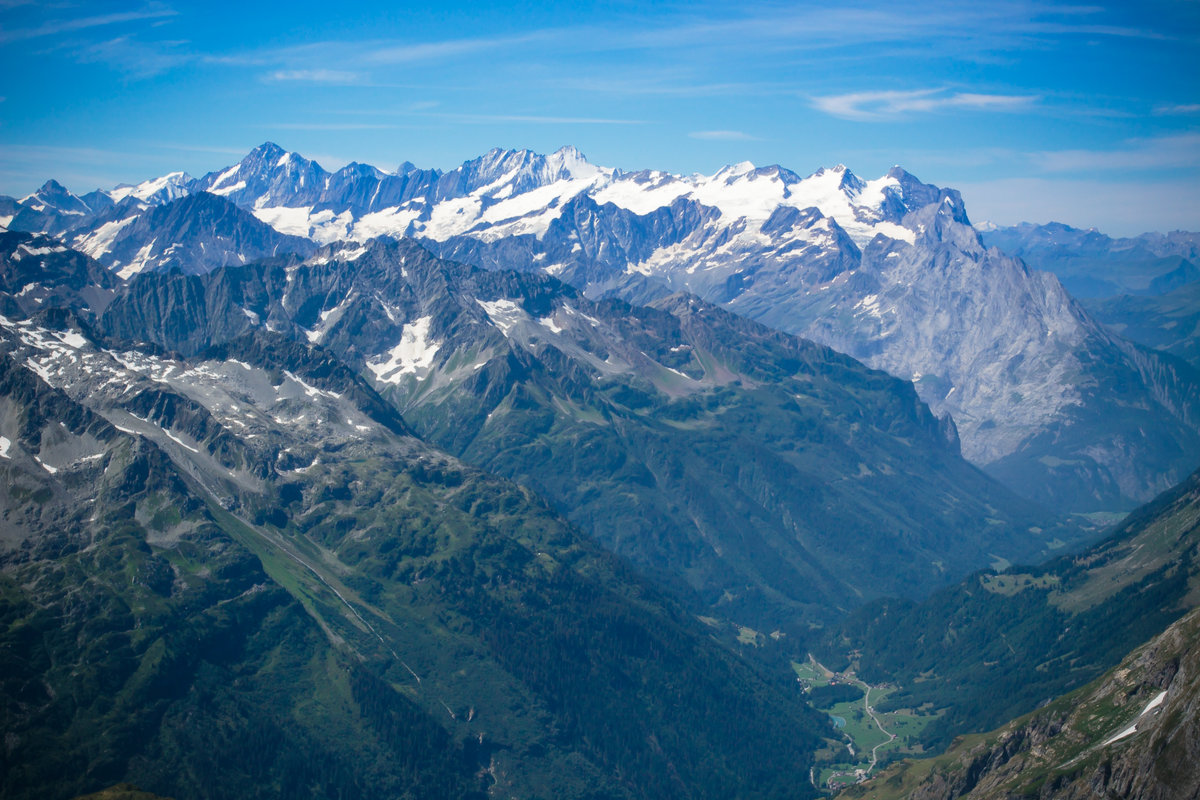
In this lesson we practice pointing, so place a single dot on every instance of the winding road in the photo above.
(870, 710)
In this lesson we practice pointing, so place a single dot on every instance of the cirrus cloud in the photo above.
(315, 76)
(883, 105)
(723, 136)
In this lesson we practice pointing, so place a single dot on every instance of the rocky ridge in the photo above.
(889, 271)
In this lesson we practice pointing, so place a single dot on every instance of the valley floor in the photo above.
(871, 735)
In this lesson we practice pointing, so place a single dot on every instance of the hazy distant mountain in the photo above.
(1092, 265)
(1169, 322)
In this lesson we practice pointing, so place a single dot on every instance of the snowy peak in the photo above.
(568, 162)
(737, 170)
(268, 176)
(355, 170)
(156, 191)
(54, 197)
(910, 194)
(524, 170)
(508, 192)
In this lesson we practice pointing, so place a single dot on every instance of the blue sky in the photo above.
(1087, 114)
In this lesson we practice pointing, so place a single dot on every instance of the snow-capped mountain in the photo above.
(156, 191)
(888, 270)
(195, 233)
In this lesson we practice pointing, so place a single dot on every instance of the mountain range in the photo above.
(889, 271)
(1094, 266)
(540, 495)
(766, 474)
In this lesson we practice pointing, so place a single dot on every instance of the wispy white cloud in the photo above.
(961, 29)
(1163, 152)
(406, 53)
(1185, 109)
(60, 26)
(334, 76)
(723, 136)
(329, 126)
(483, 119)
(883, 105)
(136, 58)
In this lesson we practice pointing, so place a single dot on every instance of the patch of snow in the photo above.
(42, 251)
(571, 310)
(415, 351)
(5, 443)
(310, 390)
(1132, 729)
(227, 175)
(894, 231)
(640, 196)
(100, 241)
(504, 314)
(39, 370)
(452, 217)
(139, 261)
(225, 190)
(179, 441)
(290, 221)
(870, 305)
(164, 189)
(72, 339)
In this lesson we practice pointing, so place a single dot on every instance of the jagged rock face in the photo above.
(888, 270)
(1038, 390)
(38, 272)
